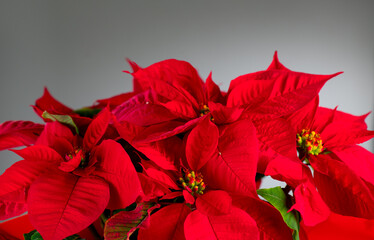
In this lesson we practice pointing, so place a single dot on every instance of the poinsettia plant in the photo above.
(178, 158)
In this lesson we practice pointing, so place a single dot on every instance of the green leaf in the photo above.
(27, 236)
(276, 197)
(35, 235)
(87, 112)
(121, 225)
(64, 119)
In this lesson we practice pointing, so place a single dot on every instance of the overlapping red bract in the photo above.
(192, 150)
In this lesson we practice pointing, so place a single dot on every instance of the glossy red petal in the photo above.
(115, 166)
(173, 79)
(153, 189)
(53, 130)
(144, 109)
(51, 105)
(213, 92)
(310, 204)
(342, 190)
(277, 138)
(20, 175)
(340, 227)
(165, 153)
(304, 117)
(180, 103)
(165, 130)
(236, 225)
(269, 221)
(276, 64)
(344, 129)
(40, 153)
(61, 204)
(275, 93)
(201, 143)
(233, 166)
(188, 197)
(18, 133)
(126, 130)
(96, 129)
(359, 160)
(166, 224)
(222, 114)
(113, 101)
(162, 177)
(291, 171)
(214, 203)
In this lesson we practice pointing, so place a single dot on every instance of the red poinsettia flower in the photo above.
(70, 180)
(327, 138)
(267, 96)
(171, 99)
(218, 162)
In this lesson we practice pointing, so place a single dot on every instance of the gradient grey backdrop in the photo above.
(77, 48)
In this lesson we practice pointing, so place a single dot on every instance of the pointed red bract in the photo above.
(165, 153)
(114, 165)
(310, 204)
(61, 204)
(162, 177)
(359, 160)
(172, 79)
(96, 129)
(214, 203)
(233, 166)
(277, 140)
(269, 221)
(342, 190)
(276, 64)
(18, 133)
(340, 227)
(238, 225)
(222, 114)
(143, 109)
(48, 103)
(201, 143)
(40, 153)
(20, 175)
(167, 223)
(213, 92)
(274, 93)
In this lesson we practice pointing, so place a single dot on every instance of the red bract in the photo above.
(47, 103)
(274, 92)
(18, 133)
(339, 227)
(70, 178)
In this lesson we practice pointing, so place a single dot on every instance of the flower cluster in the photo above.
(177, 158)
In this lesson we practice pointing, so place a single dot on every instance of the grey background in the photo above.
(78, 48)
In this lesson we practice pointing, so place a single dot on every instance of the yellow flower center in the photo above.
(310, 142)
(192, 182)
(204, 110)
(77, 153)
